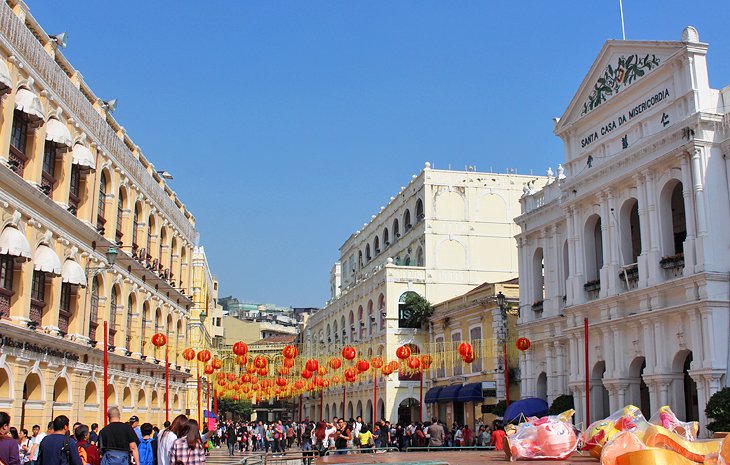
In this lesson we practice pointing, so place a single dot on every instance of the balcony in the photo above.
(673, 265)
(537, 307)
(629, 277)
(592, 289)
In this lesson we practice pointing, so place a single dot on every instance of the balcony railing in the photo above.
(629, 276)
(673, 265)
(592, 288)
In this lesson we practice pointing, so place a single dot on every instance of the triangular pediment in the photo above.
(619, 65)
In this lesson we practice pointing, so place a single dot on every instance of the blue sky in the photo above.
(288, 124)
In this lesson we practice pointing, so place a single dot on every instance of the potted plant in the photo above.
(718, 409)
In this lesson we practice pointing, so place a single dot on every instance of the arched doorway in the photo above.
(358, 410)
(408, 411)
(381, 410)
(599, 395)
(541, 387)
(349, 410)
(638, 390)
(32, 401)
(5, 391)
(327, 412)
(684, 388)
(368, 417)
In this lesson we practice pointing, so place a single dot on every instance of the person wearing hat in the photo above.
(134, 423)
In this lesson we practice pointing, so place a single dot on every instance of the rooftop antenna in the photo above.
(621, 7)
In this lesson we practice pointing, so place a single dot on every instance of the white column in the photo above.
(689, 244)
(646, 273)
(698, 187)
(654, 254)
(549, 369)
(604, 273)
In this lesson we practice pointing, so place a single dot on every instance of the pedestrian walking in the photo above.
(118, 440)
(8, 447)
(178, 428)
(59, 448)
(189, 449)
(88, 451)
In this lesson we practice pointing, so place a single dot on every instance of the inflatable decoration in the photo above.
(667, 419)
(551, 437)
(601, 431)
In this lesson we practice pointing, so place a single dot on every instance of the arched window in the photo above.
(376, 245)
(113, 303)
(368, 255)
(419, 210)
(94, 309)
(381, 311)
(65, 309)
(19, 141)
(673, 219)
(130, 311)
(630, 232)
(48, 177)
(371, 318)
(120, 216)
(419, 256)
(404, 313)
(101, 213)
(135, 225)
(143, 331)
(593, 248)
(359, 260)
(360, 323)
(538, 278)
(396, 230)
(407, 220)
(150, 233)
(386, 238)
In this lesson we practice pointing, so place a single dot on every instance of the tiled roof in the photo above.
(283, 339)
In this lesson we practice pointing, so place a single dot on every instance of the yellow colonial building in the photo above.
(466, 393)
(90, 233)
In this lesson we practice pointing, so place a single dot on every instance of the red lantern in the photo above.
(217, 363)
(231, 376)
(250, 368)
(281, 381)
(208, 369)
(414, 363)
(336, 379)
(465, 348)
(299, 384)
(306, 374)
(376, 362)
(241, 360)
(321, 371)
(263, 371)
(221, 382)
(469, 357)
(188, 354)
(254, 380)
(204, 356)
(350, 373)
(246, 378)
(290, 352)
(283, 371)
(426, 361)
(393, 365)
(246, 389)
(363, 366)
(403, 352)
(240, 348)
(335, 363)
(260, 362)
(523, 344)
(288, 362)
(235, 398)
(159, 340)
(349, 353)
(386, 370)
(312, 365)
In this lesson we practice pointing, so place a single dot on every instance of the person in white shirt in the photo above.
(357, 427)
(329, 436)
(167, 438)
(37, 438)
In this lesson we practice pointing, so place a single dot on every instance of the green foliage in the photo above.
(561, 404)
(499, 408)
(240, 409)
(416, 311)
(718, 408)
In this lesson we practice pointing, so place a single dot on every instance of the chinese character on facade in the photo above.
(665, 119)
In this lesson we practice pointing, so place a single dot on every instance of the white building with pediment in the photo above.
(440, 236)
(635, 239)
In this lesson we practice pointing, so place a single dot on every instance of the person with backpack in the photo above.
(118, 441)
(59, 448)
(87, 450)
(147, 446)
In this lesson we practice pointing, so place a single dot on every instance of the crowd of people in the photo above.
(182, 442)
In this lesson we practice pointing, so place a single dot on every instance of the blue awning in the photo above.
(471, 392)
(432, 395)
(449, 393)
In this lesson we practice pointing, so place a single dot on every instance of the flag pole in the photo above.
(621, 7)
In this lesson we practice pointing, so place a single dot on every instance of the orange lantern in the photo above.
(263, 371)
(376, 362)
(260, 362)
(246, 378)
(350, 373)
(349, 353)
(241, 360)
(386, 370)
(290, 352)
(254, 380)
(231, 376)
(246, 390)
(288, 362)
(312, 365)
(204, 356)
(322, 370)
(393, 365)
(208, 369)
(299, 384)
(221, 375)
(363, 366)
(426, 361)
(403, 352)
(235, 398)
(250, 368)
(240, 348)
(326, 383)
(464, 348)
(217, 363)
(188, 354)
(281, 381)
(523, 344)
(159, 340)
(335, 363)
(414, 363)
(306, 374)
(336, 379)
(221, 382)
(283, 371)
(255, 387)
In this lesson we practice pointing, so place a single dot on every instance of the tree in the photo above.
(416, 310)
(499, 408)
(561, 404)
(240, 409)
(718, 408)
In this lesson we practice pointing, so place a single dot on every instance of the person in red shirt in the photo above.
(87, 451)
(498, 438)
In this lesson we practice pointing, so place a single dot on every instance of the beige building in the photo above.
(250, 331)
(443, 234)
(89, 233)
(466, 393)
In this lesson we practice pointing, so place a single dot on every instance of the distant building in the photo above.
(275, 409)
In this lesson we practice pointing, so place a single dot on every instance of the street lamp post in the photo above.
(92, 271)
(503, 311)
